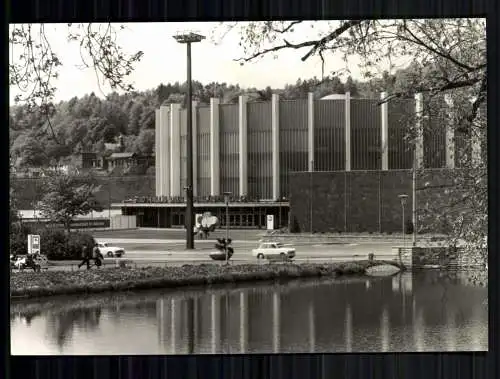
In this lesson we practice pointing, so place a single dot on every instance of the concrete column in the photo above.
(173, 325)
(310, 129)
(215, 323)
(384, 113)
(276, 321)
(419, 143)
(348, 329)
(214, 148)
(450, 134)
(195, 147)
(175, 150)
(157, 153)
(165, 151)
(157, 150)
(243, 322)
(312, 327)
(347, 131)
(275, 126)
(243, 137)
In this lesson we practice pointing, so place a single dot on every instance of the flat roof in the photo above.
(201, 205)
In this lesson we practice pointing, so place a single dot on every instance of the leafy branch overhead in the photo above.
(451, 53)
(34, 66)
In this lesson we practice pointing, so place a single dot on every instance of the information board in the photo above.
(33, 244)
(270, 222)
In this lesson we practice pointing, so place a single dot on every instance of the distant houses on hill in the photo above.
(113, 161)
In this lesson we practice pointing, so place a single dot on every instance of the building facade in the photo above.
(251, 148)
(254, 150)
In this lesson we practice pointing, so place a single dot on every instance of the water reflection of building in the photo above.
(348, 329)
(393, 314)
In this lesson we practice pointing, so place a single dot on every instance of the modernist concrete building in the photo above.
(251, 149)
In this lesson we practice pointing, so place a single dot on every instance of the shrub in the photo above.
(19, 238)
(76, 240)
(56, 244)
(53, 243)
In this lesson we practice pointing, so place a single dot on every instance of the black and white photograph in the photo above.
(248, 187)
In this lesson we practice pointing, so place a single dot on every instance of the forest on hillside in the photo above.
(85, 124)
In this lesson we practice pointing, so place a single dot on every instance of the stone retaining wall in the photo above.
(439, 257)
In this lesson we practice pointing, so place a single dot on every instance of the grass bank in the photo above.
(50, 283)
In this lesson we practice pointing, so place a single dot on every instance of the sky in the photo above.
(164, 59)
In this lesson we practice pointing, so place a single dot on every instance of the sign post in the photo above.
(33, 244)
(270, 222)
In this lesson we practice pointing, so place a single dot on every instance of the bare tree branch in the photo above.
(315, 44)
(285, 29)
(320, 44)
(445, 87)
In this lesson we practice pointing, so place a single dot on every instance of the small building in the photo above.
(122, 160)
(87, 160)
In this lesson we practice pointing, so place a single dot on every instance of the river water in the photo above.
(427, 311)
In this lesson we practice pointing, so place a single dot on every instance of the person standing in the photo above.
(86, 255)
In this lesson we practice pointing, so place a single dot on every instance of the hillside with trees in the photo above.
(86, 124)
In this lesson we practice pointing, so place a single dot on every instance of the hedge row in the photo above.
(55, 244)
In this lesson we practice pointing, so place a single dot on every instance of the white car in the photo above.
(273, 250)
(110, 251)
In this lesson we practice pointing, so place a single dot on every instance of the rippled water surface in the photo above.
(428, 311)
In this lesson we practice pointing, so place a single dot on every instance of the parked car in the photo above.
(36, 262)
(110, 251)
(273, 250)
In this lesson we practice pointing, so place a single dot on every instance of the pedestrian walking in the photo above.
(86, 255)
(97, 256)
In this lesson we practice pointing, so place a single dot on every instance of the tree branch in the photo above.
(286, 29)
(314, 44)
(481, 97)
(286, 45)
(418, 41)
(320, 44)
(422, 89)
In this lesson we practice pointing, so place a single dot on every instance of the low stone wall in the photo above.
(415, 258)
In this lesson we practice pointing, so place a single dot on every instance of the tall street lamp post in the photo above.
(226, 200)
(188, 39)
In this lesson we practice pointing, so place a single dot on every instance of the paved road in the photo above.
(171, 248)
(171, 252)
(160, 247)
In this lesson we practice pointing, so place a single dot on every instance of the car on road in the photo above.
(273, 250)
(107, 250)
